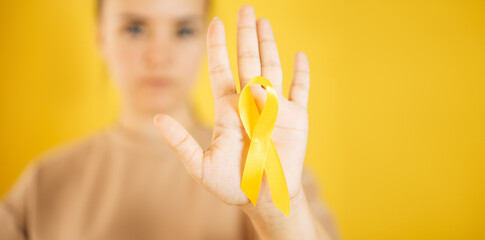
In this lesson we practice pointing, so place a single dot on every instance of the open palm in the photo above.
(219, 168)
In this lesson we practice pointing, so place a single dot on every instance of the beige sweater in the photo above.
(116, 185)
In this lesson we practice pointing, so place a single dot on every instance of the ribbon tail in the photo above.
(277, 181)
(253, 170)
(252, 175)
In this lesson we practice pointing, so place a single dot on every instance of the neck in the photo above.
(140, 125)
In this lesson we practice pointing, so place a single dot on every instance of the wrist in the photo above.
(266, 211)
(271, 223)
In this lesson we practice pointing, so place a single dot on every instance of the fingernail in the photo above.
(216, 18)
(156, 119)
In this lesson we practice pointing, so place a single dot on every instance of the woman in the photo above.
(126, 182)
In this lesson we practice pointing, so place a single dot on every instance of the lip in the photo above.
(158, 82)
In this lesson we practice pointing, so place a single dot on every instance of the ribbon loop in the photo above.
(262, 154)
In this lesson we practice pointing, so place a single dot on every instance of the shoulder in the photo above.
(48, 175)
(73, 153)
(64, 165)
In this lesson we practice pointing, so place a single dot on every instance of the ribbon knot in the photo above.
(262, 154)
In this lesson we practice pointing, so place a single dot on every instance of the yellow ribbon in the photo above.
(262, 154)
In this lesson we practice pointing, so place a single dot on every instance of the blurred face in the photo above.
(152, 49)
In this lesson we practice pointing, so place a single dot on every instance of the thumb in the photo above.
(184, 145)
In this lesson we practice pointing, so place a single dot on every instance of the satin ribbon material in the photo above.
(262, 154)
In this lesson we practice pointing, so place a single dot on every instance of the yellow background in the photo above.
(397, 106)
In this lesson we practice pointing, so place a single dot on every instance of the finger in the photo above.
(248, 61)
(222, 81)
(184, 145)
(300, 85)
(270, 59)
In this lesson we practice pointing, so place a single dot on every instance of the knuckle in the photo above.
(182, 142)
(303, 72)
(249, 54)
(267, 40)
(220, 45)
(301, 85)
(220, 68)
(271, 63)
(246, 27)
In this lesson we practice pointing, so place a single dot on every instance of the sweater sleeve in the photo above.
(317, 206)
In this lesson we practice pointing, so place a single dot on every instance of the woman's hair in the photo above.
(99, 6)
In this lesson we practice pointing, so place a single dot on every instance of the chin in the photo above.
(160, 103)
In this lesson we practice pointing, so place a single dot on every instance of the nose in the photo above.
(158, 53)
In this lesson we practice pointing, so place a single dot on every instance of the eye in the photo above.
(185, 31)
(135, 29)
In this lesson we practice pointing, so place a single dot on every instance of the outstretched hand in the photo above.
(219, 168)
